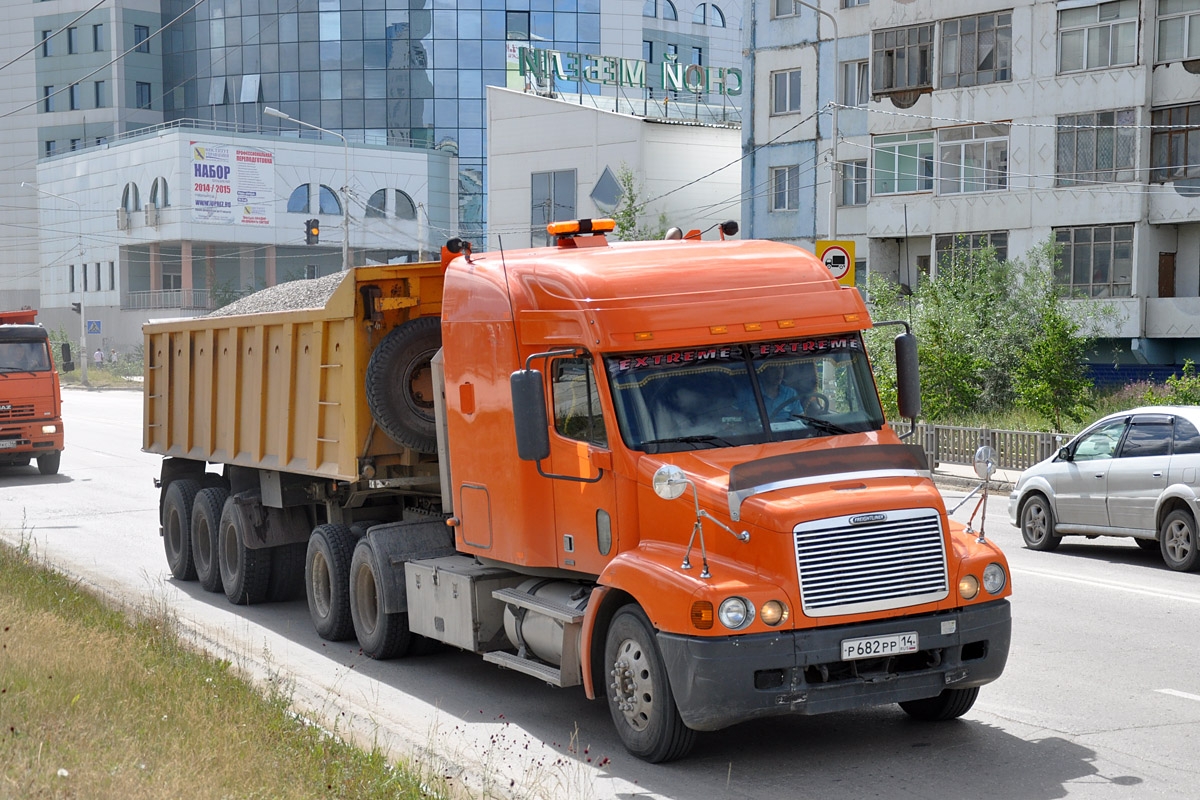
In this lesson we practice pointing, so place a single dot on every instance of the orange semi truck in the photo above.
(657, 470)
(30, 400)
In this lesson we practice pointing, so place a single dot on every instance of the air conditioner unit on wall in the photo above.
(151, 214)
(122, 219)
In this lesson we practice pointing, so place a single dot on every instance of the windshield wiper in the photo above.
(822, 424)
(7, 369)
(701, 438)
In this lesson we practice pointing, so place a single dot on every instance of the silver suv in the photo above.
(1134, 473)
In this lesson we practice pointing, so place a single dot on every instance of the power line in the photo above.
(51, 36)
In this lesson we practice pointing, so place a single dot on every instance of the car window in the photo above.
(1100, 443)
(1187, 438)
(1147, 439)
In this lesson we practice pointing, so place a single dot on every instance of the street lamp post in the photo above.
(275, 112)
(837, 69)
(83, 350)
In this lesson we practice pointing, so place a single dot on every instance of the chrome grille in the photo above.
(15, 411)
(877, 564)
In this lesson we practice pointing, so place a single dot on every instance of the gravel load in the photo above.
(290, 296)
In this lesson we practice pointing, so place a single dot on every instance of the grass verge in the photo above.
(95, 703)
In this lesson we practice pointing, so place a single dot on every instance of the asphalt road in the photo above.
(1101, 697)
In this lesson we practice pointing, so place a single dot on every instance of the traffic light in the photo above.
(312, 231)
(75, 308)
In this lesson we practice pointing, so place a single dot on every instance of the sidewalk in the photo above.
(962, 476)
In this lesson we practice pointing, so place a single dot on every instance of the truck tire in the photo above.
(206, 522)
(245, 573)
(380, 635)
(287, 572)
(950, 704)
(327, 581)
(48, 464)
(639, 694)
(177, 527)
(399, 383)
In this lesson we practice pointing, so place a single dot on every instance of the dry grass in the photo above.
(95, 703)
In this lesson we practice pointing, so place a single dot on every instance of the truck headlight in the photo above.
(968, 587)
(773, 612)
(994, 578)
(49, 429)
(735, 613)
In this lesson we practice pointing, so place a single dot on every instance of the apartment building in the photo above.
(964, 123)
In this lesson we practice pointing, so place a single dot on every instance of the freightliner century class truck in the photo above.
(31, 424)
(658, 470)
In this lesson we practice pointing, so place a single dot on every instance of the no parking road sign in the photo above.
(839, 257)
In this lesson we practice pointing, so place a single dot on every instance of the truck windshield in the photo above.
(731, 395)
(24, 357)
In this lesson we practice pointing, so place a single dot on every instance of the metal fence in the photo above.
(183, 299)
(953, 444)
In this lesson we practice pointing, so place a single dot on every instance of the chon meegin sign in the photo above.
(542, 65)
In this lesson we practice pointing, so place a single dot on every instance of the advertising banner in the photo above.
(232, 185)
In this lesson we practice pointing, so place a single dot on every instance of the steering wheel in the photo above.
(799, 406)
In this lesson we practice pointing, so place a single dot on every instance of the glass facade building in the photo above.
(398, 72)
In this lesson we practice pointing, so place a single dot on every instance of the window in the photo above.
(1095, 148)
(647, 51)
(1097, 36)
(785, 188)
(72, 40)
(1095, 262)
(701, 15)
(76, 144)
(552, 199)
(298, 201)
(854, 183)
(650, 8)
(1147, 436)
(131, 199)
(1178, 30)
(576, 399)
(98, 42)
(1100, 443)
(376, 205)
(954, 247)
(976, 50)
(327, 201)
(903, 59)
(785, 91)
(716, 17)
(51, 147)
(112, 275)
(853, 3)
(974, 158)
(1187, 438)
(903, 163)
(403, 207)
(1175, 150)
(158, 193)
(856, 84)
(48, 99)
(142, 91)
(669, 12)
(71, 278)
(697, 55)
(47, 44)
(141, 38)
(73, 97)
(98, 90)
(786, 8)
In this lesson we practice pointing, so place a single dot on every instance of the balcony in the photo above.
(203, 300)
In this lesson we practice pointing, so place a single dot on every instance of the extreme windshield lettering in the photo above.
(673, 358)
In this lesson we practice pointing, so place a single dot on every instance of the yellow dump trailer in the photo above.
(283, 390)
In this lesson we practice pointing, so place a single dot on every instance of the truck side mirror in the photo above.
(908, 377)
(529, 414)
(66, 355)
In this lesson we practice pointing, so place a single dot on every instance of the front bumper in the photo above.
(20, 441)
(719, 682)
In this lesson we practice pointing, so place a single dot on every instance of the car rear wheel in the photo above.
(1037, 525)
(1177, 538)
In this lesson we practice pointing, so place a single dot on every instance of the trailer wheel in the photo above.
(327, 581)
(177, 527)
(245, 573)
(380, 635)
(287, 572)
(639, 694)
(206, 522)
(950, 704)
(400, 386)
(48, 464)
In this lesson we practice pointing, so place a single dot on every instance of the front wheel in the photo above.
(48, 464)
(1177, 537)
(1037, 525)
(639, 692)
(950, 704)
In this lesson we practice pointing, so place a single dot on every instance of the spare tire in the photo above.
(400, 383)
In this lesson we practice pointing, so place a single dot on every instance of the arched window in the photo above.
(669, 10)
(158, 193)
(298, 202)
(405, 209)
(650, 8)
(717, 17)
(701, 12)
(376, 205)
(131, 200)
(328, 202)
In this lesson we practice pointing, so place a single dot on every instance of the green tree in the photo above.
(630, 214)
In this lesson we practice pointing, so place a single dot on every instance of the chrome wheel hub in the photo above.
(632, 686)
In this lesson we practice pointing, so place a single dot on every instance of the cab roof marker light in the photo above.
(753, 326)
(786, 323)
(643, 336)
(717, 330)
(850, 317)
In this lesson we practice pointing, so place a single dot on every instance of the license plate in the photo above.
(6, 443)
(878, 646)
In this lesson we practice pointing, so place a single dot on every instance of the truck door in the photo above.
(585, 514)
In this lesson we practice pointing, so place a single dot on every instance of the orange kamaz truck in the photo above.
(659, 471)
(30, 400)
